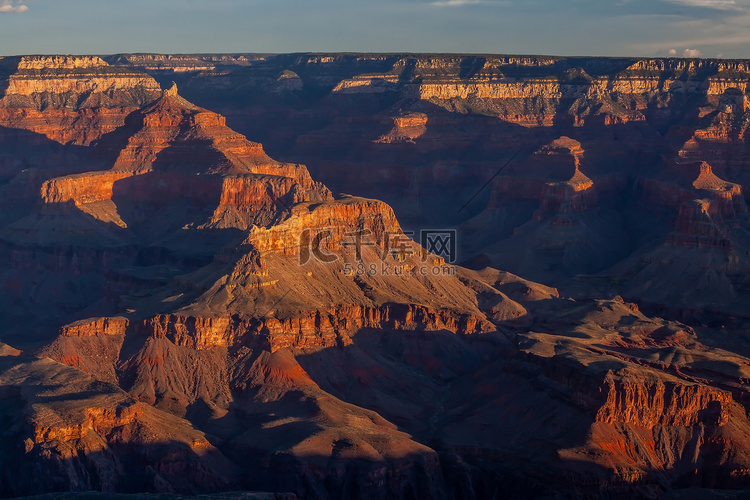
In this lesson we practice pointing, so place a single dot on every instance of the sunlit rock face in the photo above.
(430, 131)
(191, 312)
(70, 100)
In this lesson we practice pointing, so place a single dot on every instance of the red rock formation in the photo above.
(651, 403)
(705, 222)
(188, 152)
(95, 328)
(559, 162)
(699, 223)
(569, 196)
(81, 189)
(405, 129)
(88, 98)
(308, 330)
(77, 433)
(573, 195)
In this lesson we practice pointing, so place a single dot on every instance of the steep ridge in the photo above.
(632, 422)
(66, 431)
(51, 109)
(180, 362)
(637, 402)
(186, 152)
(177, 360)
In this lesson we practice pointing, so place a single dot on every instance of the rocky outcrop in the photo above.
(175, 150)
(574, 195)
(705, 222)
(551, 175)
(571, 195)
(332, 223)
(58, 75)
(309, 330)
(650, 403)
(71, 99)
(699, 223)
(405, 129)
(95, 328)
(727, 194)
(81, 189)
(79, 434)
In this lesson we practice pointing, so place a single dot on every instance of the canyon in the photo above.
(188, 311)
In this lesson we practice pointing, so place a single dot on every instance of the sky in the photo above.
(643, 28)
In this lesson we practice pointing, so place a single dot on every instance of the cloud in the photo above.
(10, 6)
(728, 34)
(665, 53)
(708, 4)
(461, 3)
(691, 53)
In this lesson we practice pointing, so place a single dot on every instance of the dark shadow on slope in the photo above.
(498, 423)
(60, 265)
(27, 159)
(8, 67)
(157, 203)
(470, 66)
(121, 467)
(55, 266)
(107, 148)
(165, 206)
(468, 399)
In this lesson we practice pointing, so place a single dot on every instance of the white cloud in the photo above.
(665, 53)
(727, 34)
(691, 53)
(460, 3)
(12, 6)
(709, 4)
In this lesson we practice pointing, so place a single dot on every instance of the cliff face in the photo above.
(701, 222)
(650, 403)
(701, 262)
(656, 407)
(505, 86)
(46, 77)
(70, 100)
(75, 433)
